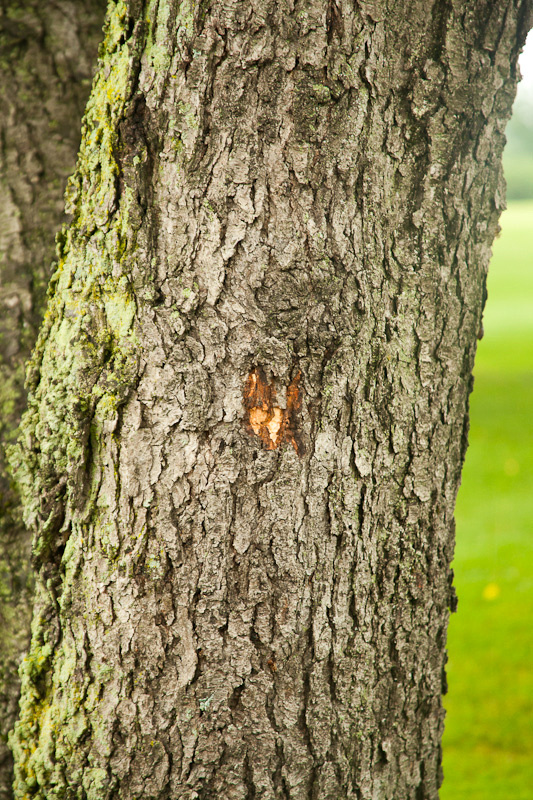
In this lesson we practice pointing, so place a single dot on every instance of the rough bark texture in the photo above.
(248, 405)
(47, 55)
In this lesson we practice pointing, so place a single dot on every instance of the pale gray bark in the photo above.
(47, 55)
(248, 406)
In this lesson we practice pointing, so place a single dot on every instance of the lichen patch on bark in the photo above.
(46, 67)
(271, 423)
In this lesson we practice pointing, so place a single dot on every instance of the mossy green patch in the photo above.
(81, 372)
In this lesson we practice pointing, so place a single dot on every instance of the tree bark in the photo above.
(47, 53)
(248, 405)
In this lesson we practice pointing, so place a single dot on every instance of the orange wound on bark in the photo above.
(272, 424)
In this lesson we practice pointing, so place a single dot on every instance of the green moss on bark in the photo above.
(80, 373)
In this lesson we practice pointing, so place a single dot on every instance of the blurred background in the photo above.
(488, 740)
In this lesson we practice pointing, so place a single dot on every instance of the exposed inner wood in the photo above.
(271, 423)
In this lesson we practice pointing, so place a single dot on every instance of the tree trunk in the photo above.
(47, 59)
(248, 406)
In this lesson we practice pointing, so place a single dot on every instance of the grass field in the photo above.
(488, 742)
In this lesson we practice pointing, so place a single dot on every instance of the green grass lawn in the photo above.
(488, 742)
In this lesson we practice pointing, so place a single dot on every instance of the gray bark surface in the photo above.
(47, 55)
(248, 402)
